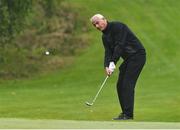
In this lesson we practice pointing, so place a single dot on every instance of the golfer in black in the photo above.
(120, 41)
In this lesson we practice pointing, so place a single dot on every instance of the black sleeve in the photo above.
(108, 53)
(120, 34)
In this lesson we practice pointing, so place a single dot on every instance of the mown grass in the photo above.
(61, 95)
(10, 123)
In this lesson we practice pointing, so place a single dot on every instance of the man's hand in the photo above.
(110, 69)
(108, 72)
(112, 66)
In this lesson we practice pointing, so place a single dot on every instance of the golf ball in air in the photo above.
(47, 52)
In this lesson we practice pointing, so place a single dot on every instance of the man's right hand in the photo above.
(108, 71)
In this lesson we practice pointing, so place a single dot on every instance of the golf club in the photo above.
(90, 104)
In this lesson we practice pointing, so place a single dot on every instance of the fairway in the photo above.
(57, 99)
(69, 124)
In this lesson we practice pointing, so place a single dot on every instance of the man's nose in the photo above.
(97, 26)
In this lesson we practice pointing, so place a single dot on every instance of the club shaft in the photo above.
(99, 90)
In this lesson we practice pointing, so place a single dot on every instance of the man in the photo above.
(120, 41)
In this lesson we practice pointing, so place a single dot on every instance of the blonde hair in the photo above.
(96, 16)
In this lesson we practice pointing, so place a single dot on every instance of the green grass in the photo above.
(10, 123)
(61, 95)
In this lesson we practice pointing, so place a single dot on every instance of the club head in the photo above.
(89, 104)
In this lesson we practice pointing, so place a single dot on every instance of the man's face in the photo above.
(100, 24)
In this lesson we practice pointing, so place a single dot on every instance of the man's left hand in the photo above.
(112, 66)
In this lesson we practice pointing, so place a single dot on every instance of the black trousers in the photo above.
(130, 70)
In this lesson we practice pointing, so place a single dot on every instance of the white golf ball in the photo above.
(47, 52)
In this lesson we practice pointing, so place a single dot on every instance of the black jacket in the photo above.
(119, 41)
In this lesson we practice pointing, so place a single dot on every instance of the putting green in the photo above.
(69, 124)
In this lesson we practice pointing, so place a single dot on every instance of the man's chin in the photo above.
(99, 29)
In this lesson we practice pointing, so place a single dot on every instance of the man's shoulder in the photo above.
(116, 25)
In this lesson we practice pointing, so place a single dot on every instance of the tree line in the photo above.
(28, 28)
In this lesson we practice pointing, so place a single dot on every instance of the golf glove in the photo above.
(112, 66)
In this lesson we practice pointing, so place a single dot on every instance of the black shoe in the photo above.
(123, 117)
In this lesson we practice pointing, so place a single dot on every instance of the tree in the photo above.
(12, 18)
